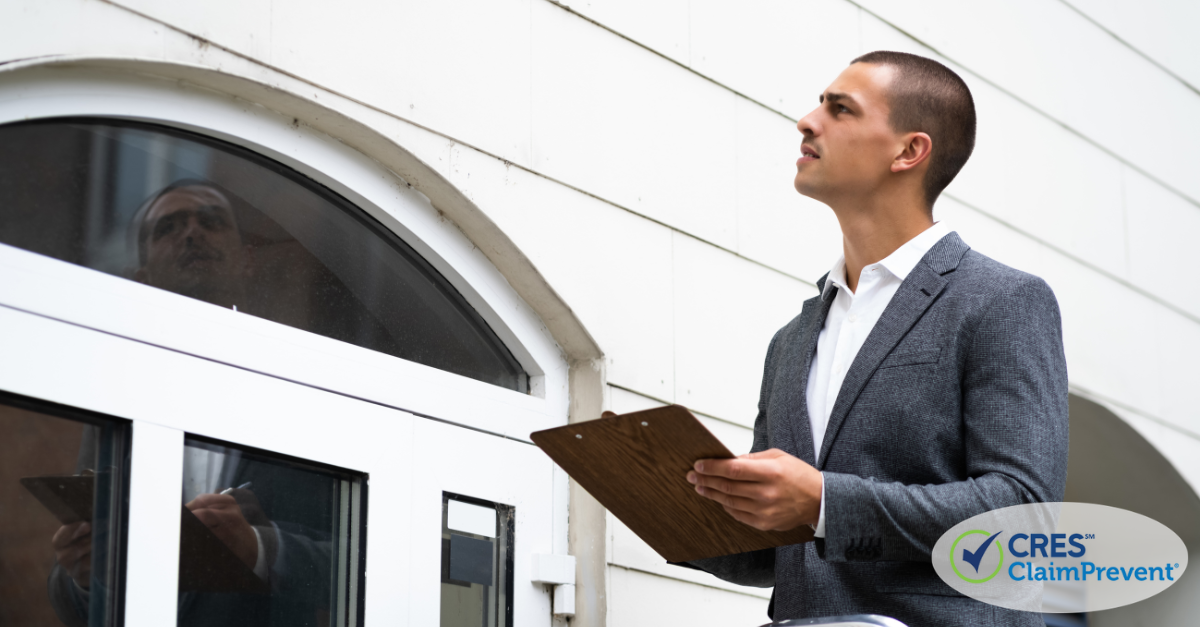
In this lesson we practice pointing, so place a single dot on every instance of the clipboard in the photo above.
(636, 466)
(205, 563)
(69, 498)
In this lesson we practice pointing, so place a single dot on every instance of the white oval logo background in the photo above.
(1111, 556)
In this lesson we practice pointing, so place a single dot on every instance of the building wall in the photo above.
(641, 155)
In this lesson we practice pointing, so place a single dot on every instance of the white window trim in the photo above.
(97, 301)
(410, 461)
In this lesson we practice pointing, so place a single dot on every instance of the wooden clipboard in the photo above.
(69, 498)
(636, 465)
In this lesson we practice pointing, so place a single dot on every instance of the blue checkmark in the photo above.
(974, 557)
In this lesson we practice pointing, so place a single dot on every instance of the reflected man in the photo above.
(188, 242)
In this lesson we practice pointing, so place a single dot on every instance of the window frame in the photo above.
(364, 221)
(354, 543)
(119, 519)
(269, 348)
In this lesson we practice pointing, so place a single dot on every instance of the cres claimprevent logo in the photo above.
(1107, 557)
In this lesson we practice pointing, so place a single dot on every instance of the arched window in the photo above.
(215, 222)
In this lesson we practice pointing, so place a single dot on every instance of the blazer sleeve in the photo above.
(1014, 413)
(753, 568)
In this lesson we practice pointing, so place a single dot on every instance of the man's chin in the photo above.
(806, 188)
(201, 287)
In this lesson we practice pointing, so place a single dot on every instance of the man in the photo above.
(924, 385)
(188, 242)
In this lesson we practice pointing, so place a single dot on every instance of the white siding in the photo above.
(726, 310)
(1050, 57)
(625, 124)
(1162, 30)
(458, 66)
(638, 599)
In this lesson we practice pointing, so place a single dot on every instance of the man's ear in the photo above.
(916, 151)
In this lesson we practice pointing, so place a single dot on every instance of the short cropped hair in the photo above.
(928, 97)
(140, 227)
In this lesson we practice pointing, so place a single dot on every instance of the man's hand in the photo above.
(221, 514)
(769, 490)
(73, 549)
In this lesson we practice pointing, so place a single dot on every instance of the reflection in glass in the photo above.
(218, 223)
(268, 542)
(477, 568)
(63, 477)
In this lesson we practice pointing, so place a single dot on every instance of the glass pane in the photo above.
(215, 222)
(266, 541)
(477, 568)
(63, 480)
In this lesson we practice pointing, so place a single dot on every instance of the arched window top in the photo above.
(216, 222)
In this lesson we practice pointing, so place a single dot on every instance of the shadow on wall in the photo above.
(1111, 464)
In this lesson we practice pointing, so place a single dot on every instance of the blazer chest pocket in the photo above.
(911, 358)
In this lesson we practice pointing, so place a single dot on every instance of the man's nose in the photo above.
(193, 230)
(807, 124)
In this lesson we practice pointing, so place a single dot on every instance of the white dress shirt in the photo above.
(851, 317)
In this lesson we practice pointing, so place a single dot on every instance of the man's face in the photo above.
(848, 145)
(193, 246)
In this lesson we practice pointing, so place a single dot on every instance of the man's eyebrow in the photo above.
(836, 96)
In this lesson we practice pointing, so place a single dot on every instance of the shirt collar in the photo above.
(900, 263)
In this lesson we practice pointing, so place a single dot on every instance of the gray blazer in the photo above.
(955, 405)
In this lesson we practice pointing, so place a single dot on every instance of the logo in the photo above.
(973, 558)
(1106, 557)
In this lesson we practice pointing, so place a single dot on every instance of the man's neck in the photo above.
(871, 233)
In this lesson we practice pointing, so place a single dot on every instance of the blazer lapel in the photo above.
(799, 430)
(918, 291)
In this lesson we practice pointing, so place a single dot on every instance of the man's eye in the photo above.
(842, 109)
(164, 227)
(212, 222)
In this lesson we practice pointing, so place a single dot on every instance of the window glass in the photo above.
(266, 541)
(477, 562)
(209, 220)
(63, 480)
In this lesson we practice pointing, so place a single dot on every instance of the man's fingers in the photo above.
(216, 517)
(728, 500)
(68, 534)
(741, 469)
(216, 501)
(746, 518)
(72, 556)
(747, 489)
(209, 517)
(84, 530)
(767, 454)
